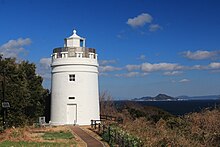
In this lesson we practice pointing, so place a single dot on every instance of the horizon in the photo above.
(189, 96)
(144, 47)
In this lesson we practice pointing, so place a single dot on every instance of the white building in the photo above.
(75, 97)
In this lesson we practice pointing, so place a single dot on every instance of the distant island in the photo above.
(164, 97)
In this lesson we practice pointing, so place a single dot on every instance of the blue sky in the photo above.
(145, 47)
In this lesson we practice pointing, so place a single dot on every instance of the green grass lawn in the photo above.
(57, 135)
(34, 144)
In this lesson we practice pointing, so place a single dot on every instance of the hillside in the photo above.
(159, 97)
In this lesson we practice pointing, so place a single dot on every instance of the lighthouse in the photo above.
(74, 83)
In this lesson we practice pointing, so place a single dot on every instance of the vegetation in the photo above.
(116, 135)
(44, 136)
(58, 135)
(156, 127)
(33, 144)
(23, 90)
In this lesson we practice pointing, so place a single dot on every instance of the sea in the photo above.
(181, 107)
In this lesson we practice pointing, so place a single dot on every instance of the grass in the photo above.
(57, 135)
(33, 144)
(37, 137)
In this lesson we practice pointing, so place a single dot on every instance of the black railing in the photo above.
(114, 135)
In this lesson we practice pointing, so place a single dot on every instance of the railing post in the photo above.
(99, 127)
(91, 123)
(95, 124)
(109, 134)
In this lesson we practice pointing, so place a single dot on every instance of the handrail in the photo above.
(67, 49)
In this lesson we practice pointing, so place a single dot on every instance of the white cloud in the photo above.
(140, 20)
(201, 54)
(154, 27)
(103, 74)
(128, 75)
(131, 74)
(214, 65)
(105, 62)
(198, 67)
(45, 62)
(142, 57)
(14, 48)
(108, 68)
(43, 68)
(132, 67)
(184, 80)
(148, 67)
(172, 73)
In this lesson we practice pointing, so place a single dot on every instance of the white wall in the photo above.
(84, 89)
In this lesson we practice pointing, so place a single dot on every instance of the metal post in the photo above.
(109, 134)
(99, 127)
(3, 95)
(91, 123)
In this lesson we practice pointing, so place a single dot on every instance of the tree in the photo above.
(24, 91)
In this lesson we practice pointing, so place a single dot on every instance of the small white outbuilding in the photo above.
(74, 83)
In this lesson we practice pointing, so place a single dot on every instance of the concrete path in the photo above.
(89, 140)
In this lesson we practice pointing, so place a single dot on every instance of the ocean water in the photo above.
(181, 107)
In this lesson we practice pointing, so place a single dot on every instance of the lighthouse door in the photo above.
(71, 113)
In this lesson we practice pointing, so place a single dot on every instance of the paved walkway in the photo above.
(89, 140)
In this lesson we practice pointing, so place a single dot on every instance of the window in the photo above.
(71, 98)
(81, 43)
(71, 77)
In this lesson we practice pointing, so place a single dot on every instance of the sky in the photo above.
(145, 47)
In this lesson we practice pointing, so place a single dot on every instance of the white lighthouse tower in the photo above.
(75, 97)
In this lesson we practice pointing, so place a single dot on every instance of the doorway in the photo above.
(71, 114)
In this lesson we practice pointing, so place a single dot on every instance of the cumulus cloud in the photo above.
(108, 68)
(132, 67)
(201, 54)
(140, 20)
(198, 67)
(148, 67)
(154, 27)
(45, 62)
(214, 65)
(15, 48)
(105, 62)
(211, 66)
(184, 80)
(172, 73)
(43, 68)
